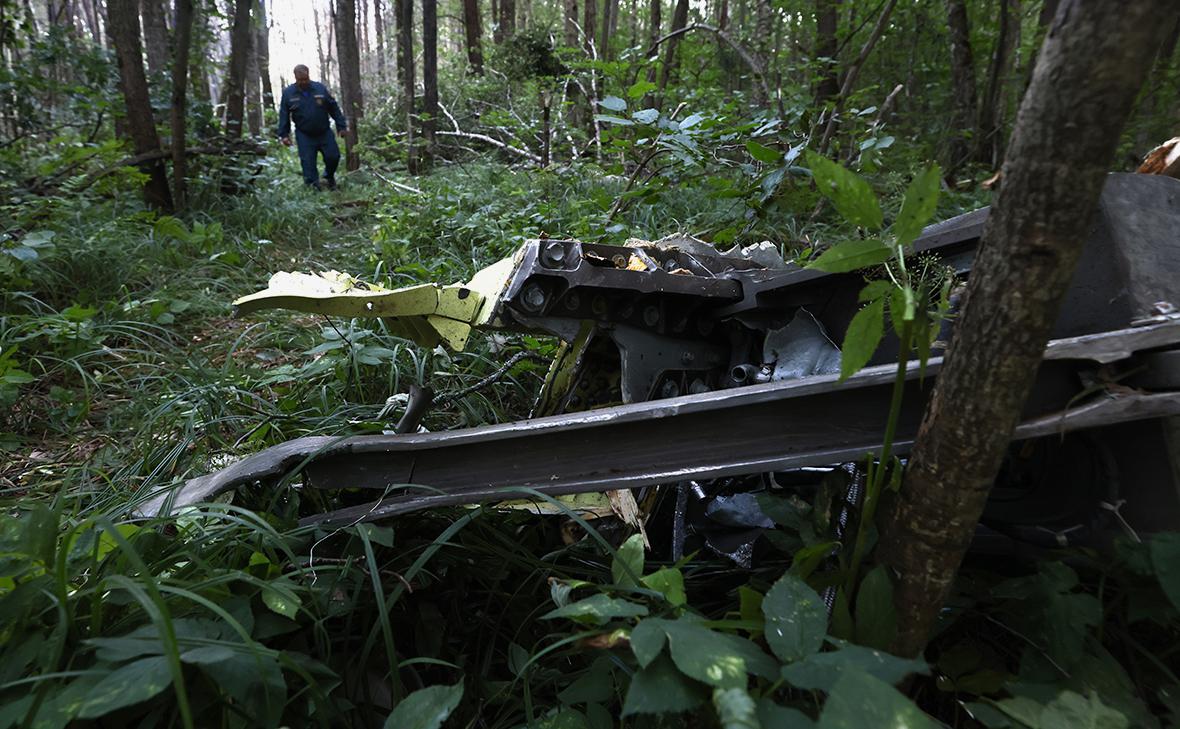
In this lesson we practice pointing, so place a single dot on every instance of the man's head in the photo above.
(302, 76)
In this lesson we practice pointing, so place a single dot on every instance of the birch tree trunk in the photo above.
(1092, 65)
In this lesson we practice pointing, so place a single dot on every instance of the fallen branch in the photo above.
(394, 183)
(484, 138)
(163, 153)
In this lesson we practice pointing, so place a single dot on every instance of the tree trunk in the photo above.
(124, 29)
(319, 44)
(827, 19)
(239, 58)
(610, 14)
(155, 37)
(679, 22)
(990, 130)
(473, 33)
(430, 111)
(379, 31)
(91, 13)
(199, 43)
(571, 23)
(253, 85)
(1093, 64)
(507, 22)
(262, 39)
(183, 33)
(589, 23)
(963, 86)
(348, 56)
(405, 54)
(853, 72)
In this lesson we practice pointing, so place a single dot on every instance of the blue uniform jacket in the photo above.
(309, 109)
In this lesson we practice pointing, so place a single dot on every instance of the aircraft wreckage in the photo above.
(718, 373)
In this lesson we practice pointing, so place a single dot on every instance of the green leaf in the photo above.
(639, 88)
(646, 116)
(875, 290)
(852, 255)
(876, 619)
(594, 685)
(613, 103)
(279, 597)
(849, 192)
(735, 709)
(842, 626)
(821, 671)
(858, 700)
(861, 340)
(627, 565)
(809, 558)
(1068, 710)
(796, 621)
(764, 154)
(774, 716)
(918, 205)
(1165, 558)
(659, 688)
(718, 659)
(208, 654)
(669, 582)
(609, 119)
(426, 708)
(129, 684)
(597, 610)
(647, 640)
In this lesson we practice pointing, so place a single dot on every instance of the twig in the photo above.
(754, 64)
(853, 72)
(484, 138)
(396, 184)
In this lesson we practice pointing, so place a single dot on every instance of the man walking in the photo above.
(308, 104)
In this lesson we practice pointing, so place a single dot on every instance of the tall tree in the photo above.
(610, 20)
(183, 33)
(253, 77)
(239, 60)
(405, 63)
(990, 134)
(827, 19)
(679, 22)
(1093, 64)
(589, 23)
(348, 56)
(473, 33)
(321, 55)
(430, 109)
(379, 31)
(155, 36)
(571, 23)
(507, 22)
(262, 44)
(963, 86)
(124, 29)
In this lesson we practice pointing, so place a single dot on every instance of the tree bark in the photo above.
(990, 133)
(589, 23)
(963, 86)
(474, 35)
(124, 29)
(430, 110)
(571, 23)
(183, 33)
(679, 23)
(348, 56)
(405, 51)
(1093, 64)
(507, 22)
(827, 19)
(155, 36)
(319, 44)
(853, 71)
(239, 57)
(252, 81)
(610, 17)
(379, 31)
(263, 44)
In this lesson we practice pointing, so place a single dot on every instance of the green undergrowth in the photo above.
(122, 371)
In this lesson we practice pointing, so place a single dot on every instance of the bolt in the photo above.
(651, 316)
(687, 357)
(533, 297)
(572, 301)
(598, 306)
(553, 254)
(669, 389)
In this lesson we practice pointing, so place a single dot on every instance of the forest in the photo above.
(986, 557)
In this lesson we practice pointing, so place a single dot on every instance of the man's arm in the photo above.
(284, 130)
(334, 111)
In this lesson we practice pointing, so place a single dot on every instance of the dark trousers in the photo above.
(309, 146)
